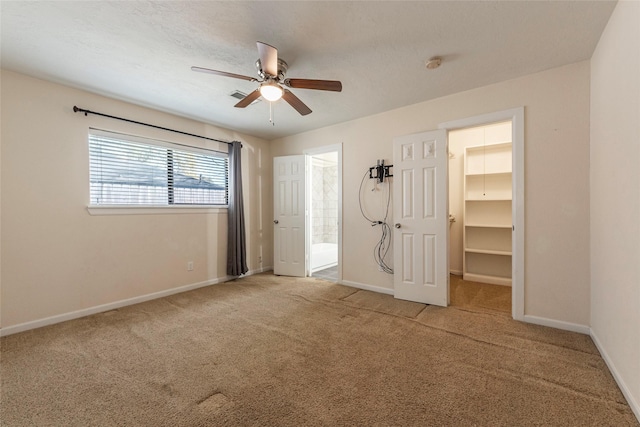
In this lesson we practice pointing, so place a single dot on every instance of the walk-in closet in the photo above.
(480, 203)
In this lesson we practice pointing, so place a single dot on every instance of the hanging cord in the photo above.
(360, 198)
(271, 114)
(382, 247)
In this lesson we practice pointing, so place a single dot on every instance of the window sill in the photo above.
(155, 210)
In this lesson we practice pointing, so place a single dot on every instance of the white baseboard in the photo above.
(117, 304)
(372, 288)
(558, 324)
(258, 271)
(635, 406)
(455, 272)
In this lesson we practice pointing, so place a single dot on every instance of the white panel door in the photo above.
(421, 266)
(289, 216)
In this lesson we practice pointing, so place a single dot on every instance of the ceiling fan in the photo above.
(271, 73)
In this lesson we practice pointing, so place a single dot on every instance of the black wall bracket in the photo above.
(382, 171)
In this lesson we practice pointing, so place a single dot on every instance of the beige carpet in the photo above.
(267, 351)
(478, 296)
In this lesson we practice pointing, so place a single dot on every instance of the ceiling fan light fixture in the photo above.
(271, 72)
(271, 91)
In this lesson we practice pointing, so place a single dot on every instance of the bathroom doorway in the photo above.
(324, 183)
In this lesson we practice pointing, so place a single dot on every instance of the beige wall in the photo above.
(615, 197)
(59, 259)
(556, 180)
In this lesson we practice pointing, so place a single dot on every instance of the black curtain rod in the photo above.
(82, 110)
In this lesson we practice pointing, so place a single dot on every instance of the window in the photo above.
(133, 171)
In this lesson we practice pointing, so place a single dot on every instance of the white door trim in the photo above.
(321, 150)
(516, 115)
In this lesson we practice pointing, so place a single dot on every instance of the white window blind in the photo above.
(127, 170)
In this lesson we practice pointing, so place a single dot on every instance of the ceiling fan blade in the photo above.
(268, 58)
(295, 102)
(247, 100)
(223, 73)
(333, 85)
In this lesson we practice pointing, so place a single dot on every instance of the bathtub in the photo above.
(323, 255)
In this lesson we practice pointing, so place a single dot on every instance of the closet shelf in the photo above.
(496, 174)
(488, 252)
(484, 278)
(487, 213)
(490, 199)
(488, 225)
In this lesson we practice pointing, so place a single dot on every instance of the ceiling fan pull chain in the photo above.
(271, 114)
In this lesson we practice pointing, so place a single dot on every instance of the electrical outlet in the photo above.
(190, 266)
(259, 260)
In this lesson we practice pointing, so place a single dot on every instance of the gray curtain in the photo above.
(236, 239)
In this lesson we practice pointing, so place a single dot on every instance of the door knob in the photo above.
(275, 221)
(397, 225)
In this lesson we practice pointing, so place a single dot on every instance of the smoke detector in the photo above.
(433, 63)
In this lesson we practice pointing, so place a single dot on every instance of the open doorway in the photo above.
(480, 216)
(481, 176)
(324, 184)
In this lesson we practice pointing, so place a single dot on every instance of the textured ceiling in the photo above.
(142, 51)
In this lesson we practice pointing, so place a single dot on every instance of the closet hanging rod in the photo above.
(82, 110)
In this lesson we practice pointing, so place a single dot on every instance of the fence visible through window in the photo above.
(128, 171)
